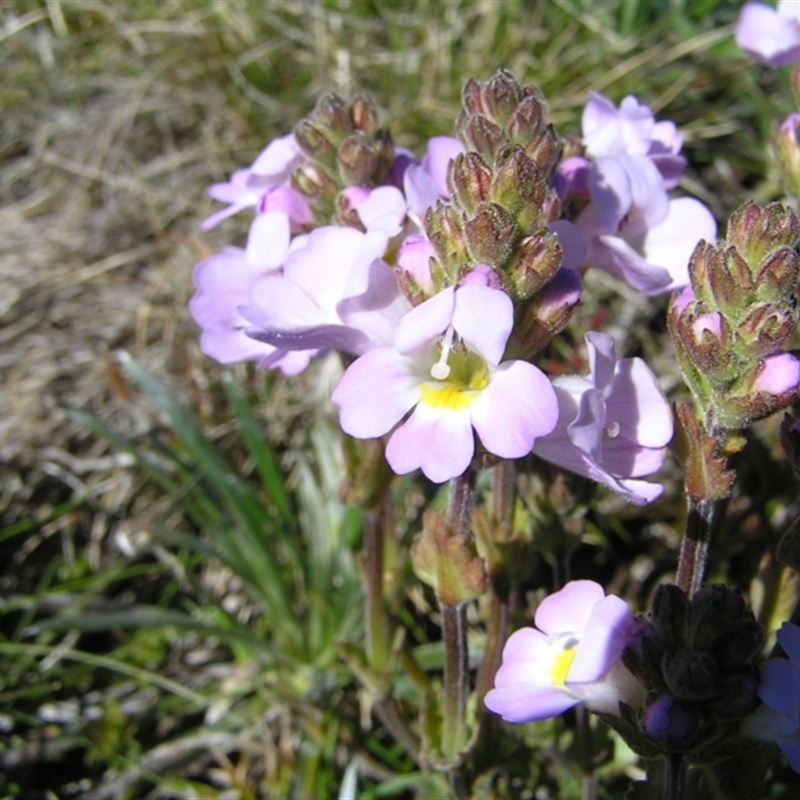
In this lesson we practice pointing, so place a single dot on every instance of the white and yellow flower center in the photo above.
(459, 376)
(565, 646)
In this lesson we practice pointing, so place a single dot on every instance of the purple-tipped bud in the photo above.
(482, 275)
(364, 114)
(472, 97)
(528, 119)
(778, 374)
(357, 161)
(501, 96)
(545, 151)
(483, 136)
(535, 261)
(668, 720)
(469, 180)
(332, 114)
(491, 235)
(708, 323)
(314, 143)
(757, 232)
(414, 261)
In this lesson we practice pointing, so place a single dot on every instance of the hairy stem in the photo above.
(495, 639)
(503, 490)
(586, 755)
(454, 627)
(377, 623)
(675, 777)
(456, 683)
(694, 548)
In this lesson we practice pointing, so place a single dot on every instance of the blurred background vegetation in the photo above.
(180, 591)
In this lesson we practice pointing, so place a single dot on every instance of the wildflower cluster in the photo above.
(448, 283)
(445, 276)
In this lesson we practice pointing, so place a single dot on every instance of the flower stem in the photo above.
(503, 491)
(454, 628)
(495, 639)
(377, 623)
(675, 777)
(586, 754)
(694, 548)
(456, 686)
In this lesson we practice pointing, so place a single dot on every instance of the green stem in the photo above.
(586, 754)
(377, 623)
(495, 639)
(386, 710)
(503, 492)
(454, 628)
(694, 548)
(456, 683)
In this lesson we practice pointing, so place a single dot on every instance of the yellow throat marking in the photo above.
(561, 665)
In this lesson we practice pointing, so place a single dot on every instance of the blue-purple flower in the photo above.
(778, 719)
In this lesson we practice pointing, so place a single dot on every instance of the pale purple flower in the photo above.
(254, 187)
(334, 292)
(276, 162)
(383, 208)
(770, 35)
(613, 424)
(237, 193)
(572, 656)
(223, 283)
(632, 129)
(778, 719)
(445, 369)
(426, 182)
(634, 231)
(572, 177)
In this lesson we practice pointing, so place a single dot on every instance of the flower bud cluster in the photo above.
(695, 658)
(502, 207)
(343, 147)
(442, 319)
(732, 327)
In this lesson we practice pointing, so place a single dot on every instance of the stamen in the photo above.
(441, 369)
(612, 429)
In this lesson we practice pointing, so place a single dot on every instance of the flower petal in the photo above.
(268, 240)
(789, 640)
(568, 610)
(483, 318)
(637, 404)
(425, 322)
(439, 441)
(602, 641)
(518, 406)
(375, 393)
(529, 702)
(525, 654)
